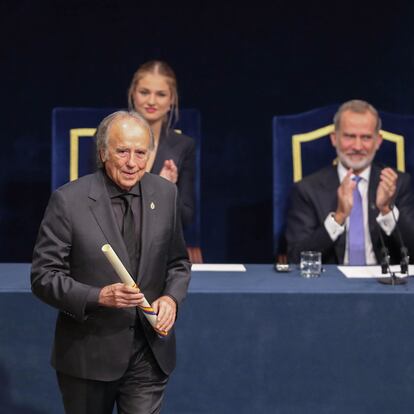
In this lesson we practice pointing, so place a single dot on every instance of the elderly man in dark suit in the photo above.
(105, 351)
(341, 210)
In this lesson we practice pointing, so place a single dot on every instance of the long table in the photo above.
(248, 342)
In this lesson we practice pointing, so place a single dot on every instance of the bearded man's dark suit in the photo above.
(68, 264)
(314, 197)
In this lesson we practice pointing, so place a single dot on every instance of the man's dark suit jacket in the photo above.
(314, 197)
(68, 263)
(181, 149)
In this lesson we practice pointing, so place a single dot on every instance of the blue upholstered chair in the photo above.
(73, 154)
(301, 145)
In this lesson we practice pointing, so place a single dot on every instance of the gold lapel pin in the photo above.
(152, 205)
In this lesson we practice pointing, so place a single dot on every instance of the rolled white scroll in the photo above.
(127, 280)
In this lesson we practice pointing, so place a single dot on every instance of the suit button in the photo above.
(132, 327)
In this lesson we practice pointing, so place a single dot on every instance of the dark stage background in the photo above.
(238, 65)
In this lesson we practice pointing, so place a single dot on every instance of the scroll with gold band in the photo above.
(127, 280)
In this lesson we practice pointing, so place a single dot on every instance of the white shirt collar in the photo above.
(343, 170)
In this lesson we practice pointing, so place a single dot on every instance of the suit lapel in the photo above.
(149, 206)
(102, 211)
(160, 156)
(331, 184)
(372, 208)
(165, 151)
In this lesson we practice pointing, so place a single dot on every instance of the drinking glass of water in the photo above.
(310, 264)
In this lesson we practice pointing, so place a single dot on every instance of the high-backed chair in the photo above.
(73, 154)
(301, 146)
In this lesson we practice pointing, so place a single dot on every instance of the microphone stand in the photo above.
(385, 262)
(405, 259)
(385, 268)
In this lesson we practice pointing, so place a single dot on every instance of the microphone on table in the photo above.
(405, 258)
(385, 256)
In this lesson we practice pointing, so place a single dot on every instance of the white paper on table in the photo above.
(217, 267)
(371, 271)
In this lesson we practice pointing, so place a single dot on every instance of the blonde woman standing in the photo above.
(153, 94)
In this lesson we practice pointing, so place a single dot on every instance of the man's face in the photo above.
(356, 141)
(127, 153)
